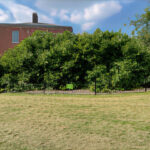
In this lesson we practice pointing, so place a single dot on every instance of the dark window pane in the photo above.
(15, 36)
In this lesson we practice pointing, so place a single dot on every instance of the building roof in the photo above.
(37, 25)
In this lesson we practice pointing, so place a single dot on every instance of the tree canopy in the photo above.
(116, 60)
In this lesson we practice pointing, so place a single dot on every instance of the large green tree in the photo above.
(116, 60)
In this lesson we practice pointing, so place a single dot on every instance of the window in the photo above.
(15, 36)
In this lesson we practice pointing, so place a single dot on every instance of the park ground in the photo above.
(75, 122)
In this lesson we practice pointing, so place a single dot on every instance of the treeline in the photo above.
(113, 59)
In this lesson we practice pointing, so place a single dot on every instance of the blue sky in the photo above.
(82, 15)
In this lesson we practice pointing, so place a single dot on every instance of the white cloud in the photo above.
(3, 16)
(63, 14)
(102, 10)
(85, 13)
(87, 26)
(22, 13)
(44, 18)
(76, 17)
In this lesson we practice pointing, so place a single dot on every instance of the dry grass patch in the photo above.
(59, 122)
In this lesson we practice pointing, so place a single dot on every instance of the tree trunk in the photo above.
(95, 87)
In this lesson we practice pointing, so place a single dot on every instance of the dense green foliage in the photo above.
(115, 60)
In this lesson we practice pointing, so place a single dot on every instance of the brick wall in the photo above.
(6, 34)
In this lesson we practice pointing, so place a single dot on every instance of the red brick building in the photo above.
(12, 34)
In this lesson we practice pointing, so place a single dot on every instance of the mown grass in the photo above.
(66, 122)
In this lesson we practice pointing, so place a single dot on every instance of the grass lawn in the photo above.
(65, 122)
